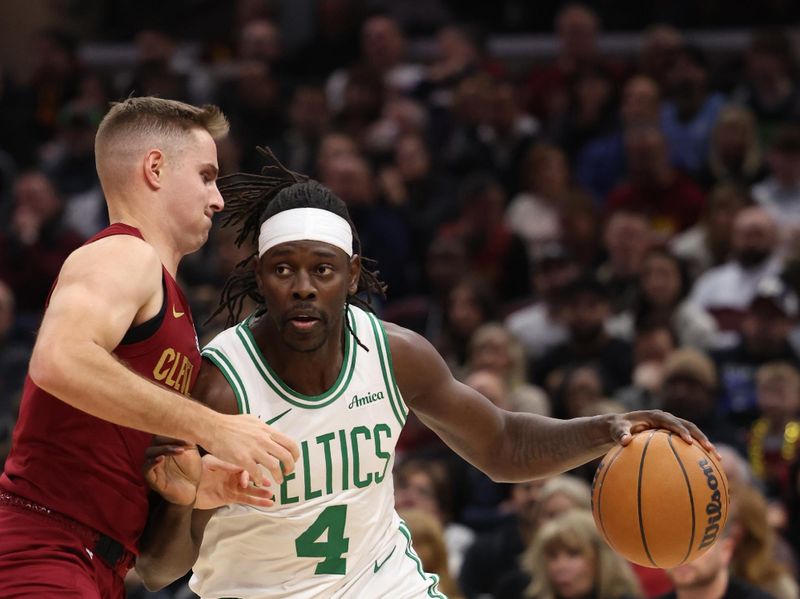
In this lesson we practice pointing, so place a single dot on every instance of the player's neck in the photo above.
(307, 372)
(153, 234)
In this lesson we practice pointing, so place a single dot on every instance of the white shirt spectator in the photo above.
(536, 329)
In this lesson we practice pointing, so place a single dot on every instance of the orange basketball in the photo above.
(660, 502)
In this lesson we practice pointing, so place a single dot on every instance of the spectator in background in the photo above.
(586, 308)
(17, 140)
(569, 560)
(690, 389)
(363, 98)
(35, 244)
(69, 163)
(494, 348)
(769, 88)
(460, 55)
(495, 252)
(383, 53)
(671, 201)
(156, 72)
(420, 192)
(555, 497)
(547, 86)
(581, 229)
(445, 265)
(54, 79)
(400, 117)
(307, 119)
(425, 485)
(16, 343)
(602, 163)
(507, 133)
(652, 345)
(709, 575)
(494, 554)
(764, 338)
(260, 41)
(540, 325)
(581, 388)
(334, 42)
(470, 304)
(334, 145)
(660, 45)
(735, 155)
(689, 114)
(591, 110)
(384, 235)
(534, 214)
(708, 243)
(664, 284)
(727, 290)
(252, 99)
(775, 437)
(627, 239)
(759, 555)
(456, 129)
(429, 545)
(779, 194)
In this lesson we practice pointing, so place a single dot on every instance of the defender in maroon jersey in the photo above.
(117, 355)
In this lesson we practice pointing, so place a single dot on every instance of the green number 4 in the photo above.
(331, 520)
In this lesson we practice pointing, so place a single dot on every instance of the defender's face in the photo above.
(190, 189)
(305, 285)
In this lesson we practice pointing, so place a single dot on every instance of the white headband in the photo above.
(306, 224)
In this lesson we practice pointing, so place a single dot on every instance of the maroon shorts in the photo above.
(46, 555)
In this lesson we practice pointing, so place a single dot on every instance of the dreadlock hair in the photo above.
(252, 199)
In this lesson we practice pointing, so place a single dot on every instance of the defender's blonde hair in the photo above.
(135, 122)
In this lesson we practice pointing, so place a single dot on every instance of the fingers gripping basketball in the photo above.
(659, 501)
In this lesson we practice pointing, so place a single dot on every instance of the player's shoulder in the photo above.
(224, 340)
(401, 336)
(412, 354)
(121, 248)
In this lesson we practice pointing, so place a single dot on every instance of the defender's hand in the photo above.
(245, 441)
(173, 469)
(223, 483)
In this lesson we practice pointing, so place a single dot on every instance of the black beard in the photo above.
(751, 258)
(587, 335)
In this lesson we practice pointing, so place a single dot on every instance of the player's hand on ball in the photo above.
(223, 483)
(623, 426)
(173, 469)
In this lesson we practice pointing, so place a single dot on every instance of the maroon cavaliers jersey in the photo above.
(85, 467)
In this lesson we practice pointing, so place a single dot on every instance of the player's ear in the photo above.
(153, 168)
(354, 274)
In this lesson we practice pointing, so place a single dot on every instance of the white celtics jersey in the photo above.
(333, 531)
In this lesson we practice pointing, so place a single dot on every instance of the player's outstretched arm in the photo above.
(103, 289)
(508, 446)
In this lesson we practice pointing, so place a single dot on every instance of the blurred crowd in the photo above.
(579, 235)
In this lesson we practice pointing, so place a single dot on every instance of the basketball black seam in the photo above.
(639, 500)
(691, 497)
(600, 493)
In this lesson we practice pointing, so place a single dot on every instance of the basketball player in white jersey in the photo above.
(314, 363)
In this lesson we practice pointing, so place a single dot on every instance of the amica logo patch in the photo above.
(363, 400)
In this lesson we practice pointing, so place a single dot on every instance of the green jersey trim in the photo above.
(224, 365)
(285, 392)
(382, 344)
(431, 579)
